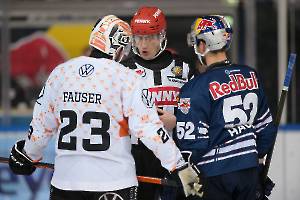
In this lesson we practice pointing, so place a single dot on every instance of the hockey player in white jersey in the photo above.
(90, 104)
(164, 75)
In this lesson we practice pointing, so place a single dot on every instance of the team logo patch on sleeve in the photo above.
(184, 105)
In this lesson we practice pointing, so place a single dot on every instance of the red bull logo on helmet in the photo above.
(202, 24)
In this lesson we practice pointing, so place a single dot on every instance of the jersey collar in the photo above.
(219, 64)
(160, 62)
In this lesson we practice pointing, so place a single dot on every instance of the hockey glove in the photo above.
(19, 162)
(265, 186)
(190, 180)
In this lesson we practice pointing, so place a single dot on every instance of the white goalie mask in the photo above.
(111, 36)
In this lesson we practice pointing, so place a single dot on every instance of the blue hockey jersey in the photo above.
(223, 121)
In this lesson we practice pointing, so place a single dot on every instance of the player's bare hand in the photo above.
(167, 118)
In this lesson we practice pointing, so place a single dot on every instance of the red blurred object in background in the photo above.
(34, 57)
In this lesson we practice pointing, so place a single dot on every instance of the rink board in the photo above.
(284, 168)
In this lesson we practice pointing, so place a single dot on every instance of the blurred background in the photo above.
(37, 35)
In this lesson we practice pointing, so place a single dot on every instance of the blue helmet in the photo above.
(214, 30)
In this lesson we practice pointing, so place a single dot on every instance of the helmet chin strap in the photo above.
(201, 55)
(200, 59)
(119, 54)
(161, 47)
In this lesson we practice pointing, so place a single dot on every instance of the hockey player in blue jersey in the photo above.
(224, 124)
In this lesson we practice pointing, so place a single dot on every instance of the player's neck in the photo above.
(98, 54)
(212, 58)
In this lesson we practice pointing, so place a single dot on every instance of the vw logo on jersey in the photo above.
(110, 196)
(86, 70)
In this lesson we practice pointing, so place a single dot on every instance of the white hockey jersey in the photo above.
(89, 104)
(163, 77)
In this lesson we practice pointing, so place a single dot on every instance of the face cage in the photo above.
(163, 44)
(121, 52)
(120, 45)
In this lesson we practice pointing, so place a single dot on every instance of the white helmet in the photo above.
(112, 36)
(214, 30)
